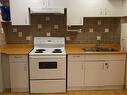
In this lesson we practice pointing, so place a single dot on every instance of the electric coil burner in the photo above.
(39, 50)
(57, 51)
(47, 63)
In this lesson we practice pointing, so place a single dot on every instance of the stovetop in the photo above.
(48, 51)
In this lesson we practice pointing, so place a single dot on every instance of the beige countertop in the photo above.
(70, 49)
(78, 49)
(16, 48)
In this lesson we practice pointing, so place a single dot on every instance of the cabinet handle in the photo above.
(105, 11)
(48, 4)
(25, 67)
(103, 67)
(18, 56)
(76, 56)
(107, 65)
(101, 11)
(82, 66)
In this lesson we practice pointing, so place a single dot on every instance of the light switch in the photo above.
(14, 29)
(80, 30)
(106, 29)
(98, 38)
(39, 26)
(48, 34)
(90, 29)
(67, 38)
(20, 34)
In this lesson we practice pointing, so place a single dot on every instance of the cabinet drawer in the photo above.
(105, 57)
(47, 86)
(18, 58)
(74, 58)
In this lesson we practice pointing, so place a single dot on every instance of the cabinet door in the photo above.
(19, 12)
(124, 36)
(1, 76)
(94, 72)
(112, 8)
(74, 12)
(19, 76)
(93, 8)
(124, 7)
(114, 74)
(75, 75)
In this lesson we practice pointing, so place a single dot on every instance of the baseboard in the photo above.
(106, 87)
(19, 90)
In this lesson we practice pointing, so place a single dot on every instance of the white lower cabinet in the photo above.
(1, 76)
(19, 73)
(114, 72)
(75, 75)
(96, 72)
(93, 74)
(104, 75)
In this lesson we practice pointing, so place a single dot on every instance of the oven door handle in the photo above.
(35, 57)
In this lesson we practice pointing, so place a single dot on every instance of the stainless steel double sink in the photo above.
(99, 49)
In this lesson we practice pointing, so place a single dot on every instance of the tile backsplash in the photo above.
(108, 28)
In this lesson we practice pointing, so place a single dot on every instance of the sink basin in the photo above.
(99, 49)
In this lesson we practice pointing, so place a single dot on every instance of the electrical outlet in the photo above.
(106, 29)
(99, 22)
(98, 38)
(80, 30)
(48, 34)
(47, 18)
(90, 29)
(56, 26)
(20, 34)
(39, 26)
(14, 29)
(68, 38)
(28, 38)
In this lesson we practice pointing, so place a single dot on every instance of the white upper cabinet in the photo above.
(74, 12)
(46, 3)
(77, 9)
(19, 12)
(102, 8)
(112, 8)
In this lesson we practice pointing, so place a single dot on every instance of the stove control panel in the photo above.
(49, 40)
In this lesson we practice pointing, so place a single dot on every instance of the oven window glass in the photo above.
(47, 65)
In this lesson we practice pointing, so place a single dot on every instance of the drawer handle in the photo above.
(18, 57)
(76, 56)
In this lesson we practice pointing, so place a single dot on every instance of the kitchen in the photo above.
(79, 47)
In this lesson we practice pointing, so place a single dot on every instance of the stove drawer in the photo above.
(47, 86)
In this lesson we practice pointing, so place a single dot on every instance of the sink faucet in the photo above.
(98, 44)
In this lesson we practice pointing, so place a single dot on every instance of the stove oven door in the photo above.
(47, 67)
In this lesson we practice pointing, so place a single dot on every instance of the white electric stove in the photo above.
(47, 65)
